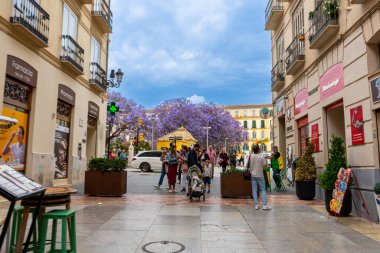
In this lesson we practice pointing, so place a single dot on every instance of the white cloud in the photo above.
(197, 99)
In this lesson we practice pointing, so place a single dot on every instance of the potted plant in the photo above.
(377, 198)
(336, 161)
(311, 15)
(305, 175)
(232, 184)
(301, 37)
(106, 177)
(331, 8)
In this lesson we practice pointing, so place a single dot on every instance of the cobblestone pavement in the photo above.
(164, 222)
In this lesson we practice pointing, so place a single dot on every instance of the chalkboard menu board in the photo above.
(14, 185)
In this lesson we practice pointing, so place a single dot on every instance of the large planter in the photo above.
(305, 190)
(234, 185)
(347, 203)
(110, 183)
(377, 202)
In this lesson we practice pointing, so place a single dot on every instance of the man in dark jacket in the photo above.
(193, 156)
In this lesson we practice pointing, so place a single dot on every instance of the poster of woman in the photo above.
(60, 152)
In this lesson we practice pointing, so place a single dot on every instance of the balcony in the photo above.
(72, 54)
(87, 1)
(31, 21)
(273, 14)
(98, 77)
(324, 24)
(295, 55)
(102, 15)
(278, 75)
(359, 1)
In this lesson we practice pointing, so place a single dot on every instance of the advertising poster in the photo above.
(315, 137)
(357, 125)
(375, 89)
(341, 184)
(13, 141)
(280, 107)
(61, 142)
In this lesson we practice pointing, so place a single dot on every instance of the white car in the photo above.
(147, 160)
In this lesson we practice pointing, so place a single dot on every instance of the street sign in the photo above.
(112, 108)
(139, 121)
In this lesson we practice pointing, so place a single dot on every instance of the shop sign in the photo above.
(280, 107)
(265, 113)
(13, 140)
(93, 109)
(375, 89)
(301, 102)
(357, 125)
(315, 137)
(289, 128)
(21, 70)
(341, 184)
(303, 121)
(332, 81)
(66, 94)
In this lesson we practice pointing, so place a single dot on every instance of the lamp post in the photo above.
(115, 79)
(207, 128)
(225, 143)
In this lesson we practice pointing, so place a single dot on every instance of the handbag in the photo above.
(247, 175)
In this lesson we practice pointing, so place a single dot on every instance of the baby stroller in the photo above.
(195, 184)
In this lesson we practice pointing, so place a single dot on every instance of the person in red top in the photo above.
(223, 159)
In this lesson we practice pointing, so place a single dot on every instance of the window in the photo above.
(262, 123)
(253, 112)
(271, 136)
(298, 20)
(245, 124)
(263, 147)
(254, 136)
(262, 134)
(236, 113)
(280, 48)
(254, 124)
(95, 51)
(271, 123)
(69, 26)
(245, 113)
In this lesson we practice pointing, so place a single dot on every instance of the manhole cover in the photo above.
(163, 247)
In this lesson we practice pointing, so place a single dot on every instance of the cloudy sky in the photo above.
(207, 50)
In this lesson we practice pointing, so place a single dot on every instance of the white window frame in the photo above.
(95, 50)
(262, 134)
(69, 22)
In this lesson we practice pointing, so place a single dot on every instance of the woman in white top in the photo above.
(256, 164)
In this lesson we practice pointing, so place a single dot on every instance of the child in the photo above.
(197, 183)
(207, 175)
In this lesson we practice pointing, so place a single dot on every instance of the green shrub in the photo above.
(377, 188)
(234, 170)
(337, 160)
(103, 164)
(306, 169)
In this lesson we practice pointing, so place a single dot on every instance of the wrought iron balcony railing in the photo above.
(278, 73)
(295, 52)
(72, 52)
(98, 75)
(325, 14)
(273, 5)
(102, 9)
(33, 17)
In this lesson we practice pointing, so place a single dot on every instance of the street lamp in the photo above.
(225, 143)
(207, 128)
(115, 79)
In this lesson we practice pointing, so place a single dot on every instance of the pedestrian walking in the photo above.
(203, 157)
(207, 175)
(172, 168)
(164, 160)
(223, 159)
(212, 155)
(256, 165)
(184, 167)
(193, 157)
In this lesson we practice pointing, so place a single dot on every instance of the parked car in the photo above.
(147, 160)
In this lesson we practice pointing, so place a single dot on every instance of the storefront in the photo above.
(92, 122)
(21, 79)
(300, 113)
(65, 104)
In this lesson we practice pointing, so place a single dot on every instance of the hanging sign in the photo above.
(265, 113)
(301, 102)
(280, 107)
(375, 89)
(341, 185)
(21, 70)
(357, 125)
(332, 81)
(315, 137)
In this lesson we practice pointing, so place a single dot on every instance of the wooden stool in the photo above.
(16, 225)
(67, 217)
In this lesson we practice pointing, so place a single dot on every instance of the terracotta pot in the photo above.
(305, 190)
(234, 185)
(347, 203)
(112, 183)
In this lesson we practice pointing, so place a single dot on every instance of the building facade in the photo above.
(53, 59)
(326, 81)
(257, 121)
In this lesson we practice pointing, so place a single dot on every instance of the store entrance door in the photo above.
(335, 121)
(282, 136)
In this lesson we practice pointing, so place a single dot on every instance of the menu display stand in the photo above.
(15, 186)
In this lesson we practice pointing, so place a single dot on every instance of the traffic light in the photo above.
(139, 121)
(141, 137)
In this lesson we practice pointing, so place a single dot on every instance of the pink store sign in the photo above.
(332, 81)
(301, 102)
